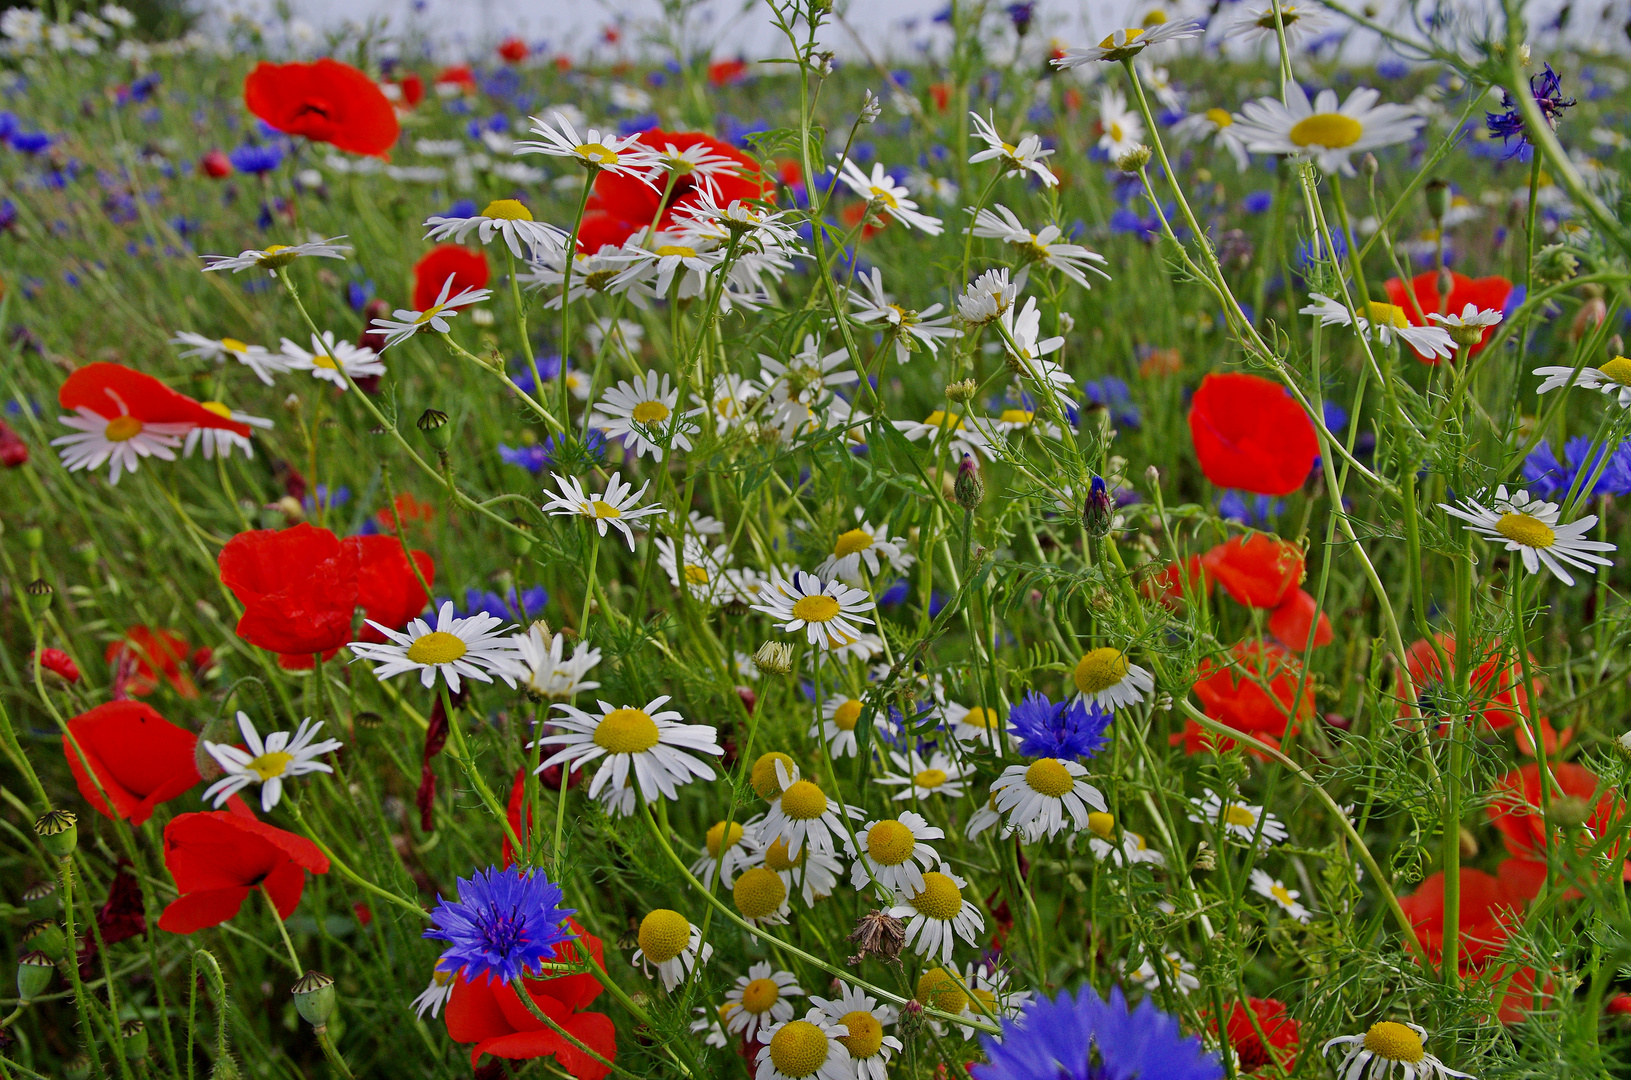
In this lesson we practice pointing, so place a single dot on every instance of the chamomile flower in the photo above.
(948, 430)
(836, 725)
(1132, 849)
(257, 358)
(1038, 796)
(1130, 42)
(796, 387)
(732, 402)
(331, 360)
(435, 995)
(642, 415)
(1239, 820)
(1613, 379)
(548, 672)
(801, 812)
(697, 570)
(435, 318)
(1530, 527)
(1387, 1046)
(709, 1022)
(813, 872)
(1266, 885)
(1104, 677)
(907, 327)
(891, 198)
(123, 440)
(808, 1049)
(673, 944)
(922, 779)
(616, 506)
(990, 995)
(1023, 336)
(1219, 126)
(938, 914)
(277, 256)
(472, 648)
(1180, 974)
(1259, 24)
(760, 1000)
(1321, 130)
(725, 857)
(891, 851)
(1468, 328)
(223, 441)
(973, 723)
(828, 612)
(866, 543)
(1018, 159)
(508, 219)
(621, 156)
(1120, 129)
(652, 745)
(656, 268)
(859, 1013)
(987, 298)
(985, 817)
(1038, 248)
(280, 757)
(760, 896)
(1388, 319)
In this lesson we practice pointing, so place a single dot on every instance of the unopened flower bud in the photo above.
(871, 108)
(1469, 844)
(774, 657)
(134, 1033)
(58, 830)
(78, 1067)
(434, 426)
(368, 721)
(1554, 264)
(314, 998)
(1206, 860)
(1437, 194)
(226, 1069)
(1369, 165)
(34, 971)
(1569, 812)
(1134, 159)
(34, 538)
(962, 391)
(1098, 512)
(969, 487)
(1588, 318)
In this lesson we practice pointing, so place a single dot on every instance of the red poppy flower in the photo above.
(621, 205)
(1295, 620)
(13, 450)
(940, 93)
(1283, 1032)
(144, 656)
(490, 1015)
(726, 72)
(517, 808)
(1490, 908)
(1253, 694)
(1515, 809)
(387, 587)
(1171, 586)
(468, 269)
(215, 165)
(1257, 570)
(326, 102)
(513, 50)
(409, 90)
(57, 662)
(139, 758)
(1485, 292)
(408, 510)
(1251, 435)
(457, 79)
(298, 587)
(121, 918)
(113, 390)
(218, 858)
(1496, 682)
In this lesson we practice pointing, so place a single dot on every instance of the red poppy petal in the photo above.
(1293, 621)
(195, 911)
(520, 1044)
(472, 1012)
(1251, 435)
(284, 885)
(110, 390)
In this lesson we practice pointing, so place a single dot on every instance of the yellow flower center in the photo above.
(278, 255)
(981, 718)
(764, 773)
(507, 210)
(270, 764)
(798, 1049)
(695, 575)
(847, 715)
(1331, 131)
(758, 893)
(122, 429)
(1242, 816)
(1395, 1042)
(942, 419)
(1281, 893)
(1049, 777)
(1100, 669)
(600, 508)
(943, 990)
(428, 314)
(929, 778)
(1101, 824)
(817, 608)
(1288, 15)
(885, 196)
(218, 409)
(1131, 35)
(323, 360)
(1016, 416)
(626, 731)
(1154, 18)
(437, 647)
(1115, 130)
(803, 801)
(1388, 315)
(677, 249)
(889, 843)
(596, 154)
(650, 412)
(233, 345)
(1220, 117)
(777, 860)
(1526, 529)
(850, 542)
(865, 1036)
(717, 841)
(663, 933)
(1618, 369)
(940, 898)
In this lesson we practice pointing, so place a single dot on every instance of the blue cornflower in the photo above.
(256, 159)
(1088, 1038)
(1547, 477)
(1022, 15)
(1547, 87)
(1256, 202)
(358, 293)
(1112, 394)
(31, 142)
(503, 925)
(1070, 729)
(1232, 506)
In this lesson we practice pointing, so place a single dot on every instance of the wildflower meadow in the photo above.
(1007, 557)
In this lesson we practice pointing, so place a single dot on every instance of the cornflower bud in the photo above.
(1098, 512)
(969, 487)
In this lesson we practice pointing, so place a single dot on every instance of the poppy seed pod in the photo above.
(134, 1033)
(44, 935)
(78, 1067)
(39, 593)
(433, 425)
(58, 830)
(314, 998)
(41, 899)
(34, 971)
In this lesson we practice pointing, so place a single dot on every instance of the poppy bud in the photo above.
(314, 998)
(216, 165)
(969, 487)
(225, 1069)
(41, 899)
(1369, 165)
(1437, 193)
(1569, 812)
(58, 830)
(1588, 318)
(367, 720)
(39, 593)
(135, 1036)
(434, 426)
(34, 971)
(1097, 510)
(774, 657)
(44, 935)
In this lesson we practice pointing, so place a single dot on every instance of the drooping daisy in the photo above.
(892, 848)
(709, 1022)
(671, 942)
(891, 198)
(1239, 820)
(1259, 24)
(1130, 42)
(1321, 130)
(973, 724)
(1529, 526)
(281, 757)
(808, 1049)
(549, 672)
(123, 440)
(1613, 379)
(987, 298)
(1042, 793)
(864, 543)
(1266, 885)
(1120, 128)
(802, 813)
(1132, 848)
(985, 817)
(697, 570)
(509, 219)
(797, 386)
(646, 742)
(332, 360)
(725, 857)
(1018, 159)
(813, 872)
(921, 779)
(669, 259)
(642, 414)
(1467, 329)
(827, 612)
(909, 328)
(858, 1013)
(1180, 974)
(1387, 1046)
(1388, 319)
(1219, 126)
(760, 999)
(1023, 334)
(616, 506)
(406, 323)
(1038, 248)
(257, 358)
(277, 256)
(937, 914)
(435, 995)
(1104, 677)
(472, 648)
(223, 441)
(624, 156)
(836, 726)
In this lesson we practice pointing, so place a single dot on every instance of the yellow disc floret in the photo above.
(626, 731)
(1331, 131)
(717, 841)
(507, 210)
(850, 542)
(803, 801)
(758, 893)
(865, 1036)
(1395, 1042)
(1050, 777)
(1101, 824)
(847, 715)
(760, 994)
(664, 935)
(889, 843)
(764, 773)
(1100, 669)
(1618, 370)
(942, 989)
(798, 1049)
(1526, 529)
(437, 647)
(817, 608)
(122, 429)
(940, 898)
(776, 856)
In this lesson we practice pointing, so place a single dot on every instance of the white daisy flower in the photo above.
(698, 571)
(726, 858)
(625, 156)
(890, 197)
(1027, 346)
(1258, 24)
(1385, 1047)
(1468, 327)
(671, 942)
(1071, 260)
(892, 848)
(760, 1000)
(1016, 159)
(223, 440)
(1529, 526)
(435, 318)
(836, 725)
(1042, 793)
(1239, 820)
(268, 763)
(548, 673)
(332, 360)
(1272, 888)
(858, 1013)
(1132, 848)
(1127, 43)
(906, 326)
(592, 273)
(760, 896)
(985, 817)
(937, 914)
(1321, 130)
(800, 811)
(1180, 974)
(973, 724)
(708, 1025)
(124, 441)
(278, 255)
(472, 648)
(645, 742)
(616, 506)
(827, 612)
(813, 872)
(1388, 319)
(508, 219)
(1219, 126)
(920, 779)
(257, 358)
(949, 430)
(731, 403)
(642, 415)
(991, 998)
(798, 386)
(654, 269)
(808, 1049)
(864, 544)
(1613, 379)
(1120, 128)
(435, 995)
(1104, 677)
(987, 298)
